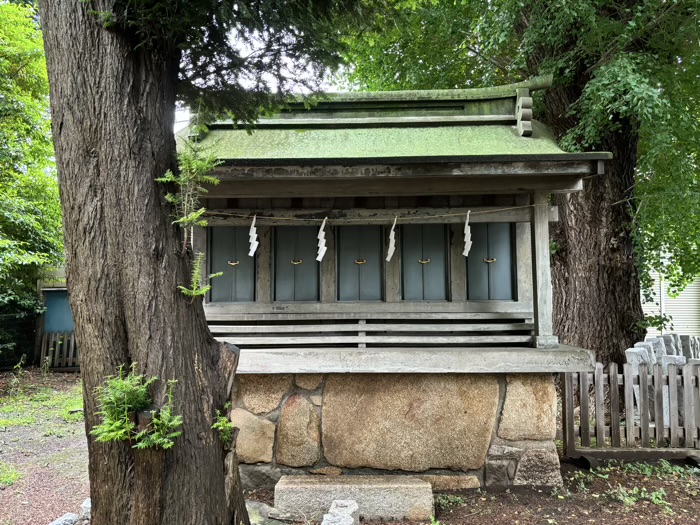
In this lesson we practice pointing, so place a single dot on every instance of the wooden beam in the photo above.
(397, 187)
(358, 216)
(476, 360)
(636, 453)
(458, 263)
(451, 169)
(221, 310)
(523, 253)
(368, 327)
(541, 274)
(244, 316)
(263, 265)
(328, 269)
(303, 340)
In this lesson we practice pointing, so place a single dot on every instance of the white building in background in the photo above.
(683, 310)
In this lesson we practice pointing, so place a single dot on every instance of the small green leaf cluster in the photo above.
(224, 426)
(194, 168)
(447, 501)
(121, 398)
(198, 285)
(659, 322)
(164, 426)
(662, 470)
(631, 496)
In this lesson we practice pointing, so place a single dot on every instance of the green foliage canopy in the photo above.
(631, 63)
(238, 57)
(30, 214)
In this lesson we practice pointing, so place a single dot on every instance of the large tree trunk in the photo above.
(113, 112)
(597, 299)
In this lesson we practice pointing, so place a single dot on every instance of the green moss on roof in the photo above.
(362, 143)
(428, 95)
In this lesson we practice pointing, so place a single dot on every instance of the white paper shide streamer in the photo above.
(253, 238)
(467, 236)
(392, 241)
(322, 241)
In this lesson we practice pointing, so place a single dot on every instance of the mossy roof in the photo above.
(388, 127)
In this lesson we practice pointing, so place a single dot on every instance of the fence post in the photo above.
(614, 405)
(585, 426)
(688, 422)
(599, 406)
(673, 404)
(628, 381)
(659, 416)
(568, 414)
(644, 404)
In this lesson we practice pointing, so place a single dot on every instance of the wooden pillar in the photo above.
(541, 274)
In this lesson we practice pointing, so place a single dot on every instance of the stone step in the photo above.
(379, 497)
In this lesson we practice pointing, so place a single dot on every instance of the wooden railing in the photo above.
(59, 350)
(634, 415)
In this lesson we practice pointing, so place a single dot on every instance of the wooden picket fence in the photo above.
(614, 419)
(60, 350)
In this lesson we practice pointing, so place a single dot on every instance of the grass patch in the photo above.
(661, 470)
(40, 406)
(8, 475)
(18, 420)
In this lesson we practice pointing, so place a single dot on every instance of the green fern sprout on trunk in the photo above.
(194, 166)
(198, 285)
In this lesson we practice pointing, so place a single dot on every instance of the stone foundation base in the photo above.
(456, 431)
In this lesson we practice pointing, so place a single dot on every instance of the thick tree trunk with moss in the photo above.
(113, 111)
(597, 300)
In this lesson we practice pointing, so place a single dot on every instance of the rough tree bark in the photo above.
(597, 301)
(113, 112)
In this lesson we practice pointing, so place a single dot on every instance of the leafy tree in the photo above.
(116, 69)
(30, 214)
(626, 81)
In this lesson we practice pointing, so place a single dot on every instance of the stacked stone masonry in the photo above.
(455, 431)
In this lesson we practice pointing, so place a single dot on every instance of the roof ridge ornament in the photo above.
(523, 112)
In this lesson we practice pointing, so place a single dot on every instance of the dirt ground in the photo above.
(43, 473)
(42, 447)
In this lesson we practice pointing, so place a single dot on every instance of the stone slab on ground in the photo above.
(66, 519)
(378, 497)
(85, 510)
(259, 513)
(263, 476)
(347, 507)
(337, 519)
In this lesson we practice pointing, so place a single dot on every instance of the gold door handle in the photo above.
(360, 261)
(493, 260)
(233, 263)
(296, 261)
(423, 261)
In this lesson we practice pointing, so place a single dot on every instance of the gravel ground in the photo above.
(50, 453)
